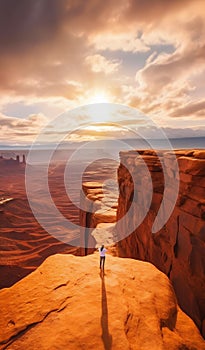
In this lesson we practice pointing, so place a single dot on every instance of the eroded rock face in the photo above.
(178, 249)
(67, 304)
(98, 211)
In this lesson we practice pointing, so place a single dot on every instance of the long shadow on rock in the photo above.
(106, 336)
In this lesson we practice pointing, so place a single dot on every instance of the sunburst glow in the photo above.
(99, 97)
(101, 112)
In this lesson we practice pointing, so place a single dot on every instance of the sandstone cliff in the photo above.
(99, 202)
(178, 249)
(67, 304)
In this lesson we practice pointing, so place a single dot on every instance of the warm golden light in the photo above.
(99, 97)
(99, 107)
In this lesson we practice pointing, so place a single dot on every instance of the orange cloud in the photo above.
(16, 129)
(99, 63)
(70, 50)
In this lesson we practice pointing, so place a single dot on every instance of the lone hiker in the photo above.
(102, 252)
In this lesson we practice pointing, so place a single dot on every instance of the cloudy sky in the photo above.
(57, 55)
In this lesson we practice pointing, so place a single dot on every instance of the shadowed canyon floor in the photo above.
(68, 304)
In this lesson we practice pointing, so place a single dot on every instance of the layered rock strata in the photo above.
(67, 304)
(98, 212)
(178, 248)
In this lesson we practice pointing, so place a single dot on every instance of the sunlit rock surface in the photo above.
(67, 304)
(99, 202)
(178, 249)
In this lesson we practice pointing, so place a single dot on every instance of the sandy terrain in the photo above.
(24, 243)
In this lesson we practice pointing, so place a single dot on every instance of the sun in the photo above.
(99, 97)
(99, 106)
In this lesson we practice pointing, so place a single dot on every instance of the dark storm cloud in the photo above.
(27, 23)
(153, 10)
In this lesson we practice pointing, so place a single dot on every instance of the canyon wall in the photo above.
(98, 212)
(178, 248)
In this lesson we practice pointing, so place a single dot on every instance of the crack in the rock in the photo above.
(169, 271)
(128, 317)
(61, 285)
(176, 243)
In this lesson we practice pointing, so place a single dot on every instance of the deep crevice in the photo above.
(175, 248)
(61, 285)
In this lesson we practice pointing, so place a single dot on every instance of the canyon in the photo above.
(123, 220)
(25, 244)
(177, 248)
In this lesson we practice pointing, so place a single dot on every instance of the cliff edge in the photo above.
(68, 304)
(178, 247)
